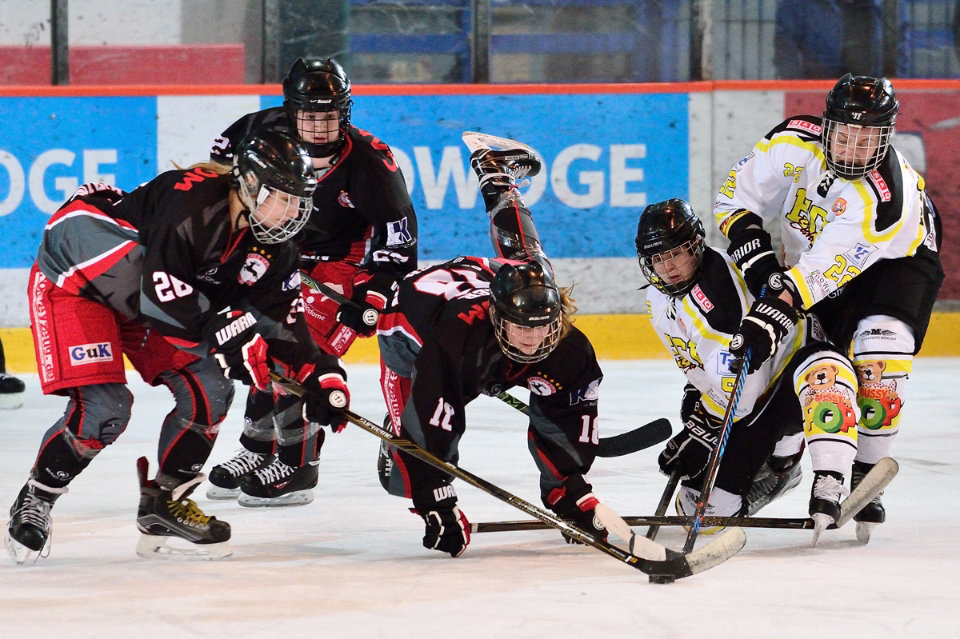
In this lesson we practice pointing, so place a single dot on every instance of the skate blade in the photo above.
(218, 492)
(864, 530)
(11, 401)
(164, 547)
(18, 552)
(820, 523)
(298, 498)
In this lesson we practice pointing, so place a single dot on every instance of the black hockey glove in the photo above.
(362, 313)
(446, 527)
(690, 449)
(326, 398)
(691, 400)
(240, 350)
(576, 503)
(761, 332)
(751, 249)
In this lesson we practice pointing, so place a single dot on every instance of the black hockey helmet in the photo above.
(665, 227)
(864, 104)
(268, 163)
(318, 84)
(526, 296)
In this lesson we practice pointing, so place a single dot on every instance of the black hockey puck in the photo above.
(662, 579)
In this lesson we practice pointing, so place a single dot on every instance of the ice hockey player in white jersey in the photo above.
(806, 391)
(859, 245)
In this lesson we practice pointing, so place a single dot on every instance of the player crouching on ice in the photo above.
(144, 274)
(807, 389)
(475, 326)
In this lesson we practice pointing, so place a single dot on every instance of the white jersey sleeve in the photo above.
(696, 330)
(831, 229)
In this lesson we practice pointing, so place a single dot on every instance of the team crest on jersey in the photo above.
(701, 299)
(591, 393)
(839, 207)
(805, 126)
(540, 386)
(345, 201)
(90, 353)
(397, 233)
(253, 269)
(881, 185)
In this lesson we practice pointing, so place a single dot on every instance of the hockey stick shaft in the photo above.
(645, 436)
(675, 565)
(717, 455)
(870, 486)
(665, 498)
(370, 315)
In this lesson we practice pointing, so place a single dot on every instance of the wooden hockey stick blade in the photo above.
(870, 486)
(635, 440)
(370, 315)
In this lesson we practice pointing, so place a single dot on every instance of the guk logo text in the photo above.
(90, 353)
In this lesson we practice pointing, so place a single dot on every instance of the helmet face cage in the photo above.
(275, 182)
(649, 263)
(670, 230)
(857, 125)
(514, 338)
(275, 215)
(317, 86)
(526, 312)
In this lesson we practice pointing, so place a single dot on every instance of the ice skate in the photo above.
(873, 513)
(31, 524)
(225, 478)
(722, 504)
(777, 477)
(279, 485)
(499, 164)
(11, 392)
(825, 497)
(173, 526)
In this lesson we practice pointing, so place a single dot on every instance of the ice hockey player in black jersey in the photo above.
(361, 238)
(192, 276)
(859, 245)
(475, 326)
(807, 390)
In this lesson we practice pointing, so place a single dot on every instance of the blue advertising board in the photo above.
(51, 145)
(605, 157)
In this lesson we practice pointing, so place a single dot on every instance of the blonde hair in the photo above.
(568, 307)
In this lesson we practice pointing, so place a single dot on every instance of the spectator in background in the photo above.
(828, 38)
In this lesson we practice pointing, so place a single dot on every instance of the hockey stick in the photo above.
(645, 436)
(714, 465)
(871, 486)
(668, 490)
(661, 561)
(370, 315)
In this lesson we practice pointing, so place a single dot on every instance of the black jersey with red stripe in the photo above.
(362, 211)
(167, 254)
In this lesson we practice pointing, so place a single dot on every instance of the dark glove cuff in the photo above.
(442, 497)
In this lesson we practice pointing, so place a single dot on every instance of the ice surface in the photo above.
(351, 565)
